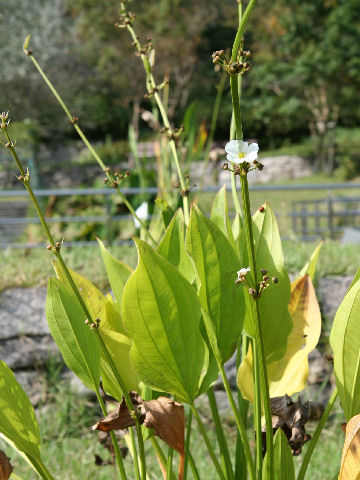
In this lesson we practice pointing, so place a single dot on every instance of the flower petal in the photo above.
(250, 157)
(250, 147)
(234, 147)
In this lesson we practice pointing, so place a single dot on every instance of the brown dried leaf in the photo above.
(167, 418)
(6, 468)
(120, 418)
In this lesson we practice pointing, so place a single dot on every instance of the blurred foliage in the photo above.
(111, 152)
(348, 152)
(305, 60)
(305, 75)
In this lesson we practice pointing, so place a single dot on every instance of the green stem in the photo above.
(239, 423)
(257, 322)
(187, 443)
(233, 177)
(128, 402)
(193, 467)
(243, 405)
(208, 444)
(224, 451)
(257, 410)
(234, 84)
(235, 195)
(160, 454)
(316, 435)
(117, 451)
(135, 454)
(241, 29)
(169, 463)
(89, 146)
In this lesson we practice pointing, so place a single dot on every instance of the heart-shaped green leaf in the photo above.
(162, 314)
(216, 265)
(273, 304)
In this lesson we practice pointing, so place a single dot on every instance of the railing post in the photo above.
(108, 220)
(294, 211)
(330, 213)
(317, 218)
(304, 221)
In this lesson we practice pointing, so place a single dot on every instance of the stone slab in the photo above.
(22, 312)
(26, 352)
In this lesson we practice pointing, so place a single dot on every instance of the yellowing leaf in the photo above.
(94, 299)
(310, 267)
(293, 368)
(289, 374)
(118, 346)
(350, 462)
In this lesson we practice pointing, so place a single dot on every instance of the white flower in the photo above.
(243, 271)
(239, 151)
(142, 212)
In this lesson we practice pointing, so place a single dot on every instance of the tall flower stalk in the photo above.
(260, 376)
(111, 179)
(126, 21)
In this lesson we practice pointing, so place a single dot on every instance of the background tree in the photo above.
(306, 60)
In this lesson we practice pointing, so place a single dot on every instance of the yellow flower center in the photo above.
(241, 155)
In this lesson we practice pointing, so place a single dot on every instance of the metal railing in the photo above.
(324, 217)
(301, 212)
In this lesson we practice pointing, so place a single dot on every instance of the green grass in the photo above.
(26, 268)
(33, 267)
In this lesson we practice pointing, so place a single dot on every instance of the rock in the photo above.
(321, 381)
(282, 167)
(231, 373)
(22, 312)
(75, 384)
(223, 402)
(331, 291)
(26, 352)
(34, 384)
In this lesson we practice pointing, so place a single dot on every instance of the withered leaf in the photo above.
(167, 418)
(120, 418)
(291, 417)
(6, 468)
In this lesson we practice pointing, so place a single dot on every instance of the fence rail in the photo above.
(307, 216)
